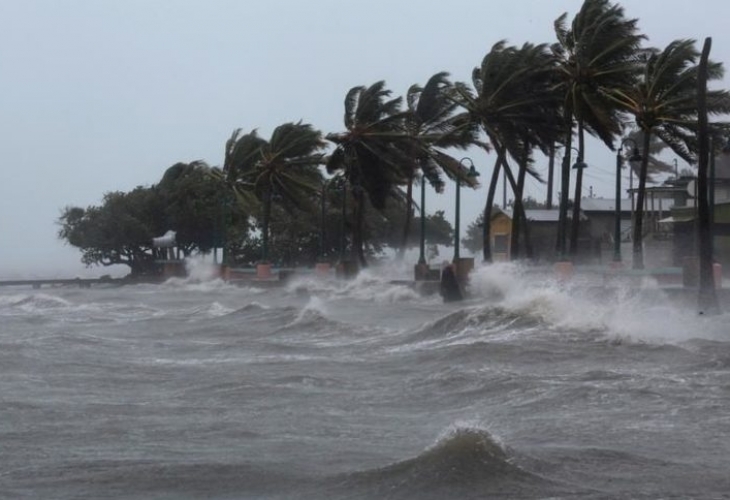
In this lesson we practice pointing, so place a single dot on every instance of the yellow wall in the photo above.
(501, 226)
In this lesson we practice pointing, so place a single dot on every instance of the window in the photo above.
(500, 243)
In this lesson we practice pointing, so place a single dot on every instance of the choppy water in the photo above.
(360, 390)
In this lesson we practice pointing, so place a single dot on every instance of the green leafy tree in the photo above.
(119, 231)
(439, 231)
(195, 206)
(472, 239)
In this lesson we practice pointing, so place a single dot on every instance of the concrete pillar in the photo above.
(563, 270)
(346, 269)
(263, 271)
(322, 269)
(420, 272)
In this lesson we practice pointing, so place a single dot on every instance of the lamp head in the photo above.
(580, 164)
(635, 155)
(472, 172)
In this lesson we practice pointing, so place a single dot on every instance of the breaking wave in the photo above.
(465, 462)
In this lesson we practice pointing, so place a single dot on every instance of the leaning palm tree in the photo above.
(515, 105)
(372, 152)
(285, 167)
(431, 121)
(664, 104)
(596, 53)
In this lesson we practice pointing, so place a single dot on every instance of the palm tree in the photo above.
(596, 54)
(664, 104)
(707, 297)
(373, 153)
(285, 167)
(514, 102)
(431, 122)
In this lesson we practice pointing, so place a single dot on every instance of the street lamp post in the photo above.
(343, 236)
(635, 156)
(472, 172)
(323, 221)
(711, 194)
(422, 249)
(421, 268)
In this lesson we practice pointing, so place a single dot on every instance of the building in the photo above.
(542, 228)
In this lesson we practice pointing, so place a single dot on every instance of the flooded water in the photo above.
(360, 390)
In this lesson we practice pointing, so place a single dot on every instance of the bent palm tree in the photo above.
(515, 105)
(596, 54)
(285, 166)
(664, 104)
(431, 122)
(372, 152)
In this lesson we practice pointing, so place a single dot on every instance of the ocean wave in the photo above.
(367, 286)
(623, 314)
(466, 462)
(194, 284)
(252, 307)
(52, 308)
(34, 302)
(202, 312)
(470, 326)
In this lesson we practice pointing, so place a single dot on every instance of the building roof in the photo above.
(539, 215)
(543, 215)
(604, 205)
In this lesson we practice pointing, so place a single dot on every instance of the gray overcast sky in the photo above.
(100, 95)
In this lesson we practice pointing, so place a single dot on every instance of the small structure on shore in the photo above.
(167, 256)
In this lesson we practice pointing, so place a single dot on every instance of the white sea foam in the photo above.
(643, 314)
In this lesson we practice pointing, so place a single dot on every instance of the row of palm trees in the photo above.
(597, 78)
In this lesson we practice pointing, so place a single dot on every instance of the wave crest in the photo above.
(466, 462)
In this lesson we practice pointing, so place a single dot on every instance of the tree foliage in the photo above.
(119, 231)
(596, 55)
(663, 101)
(188, 200)
(269, 199)
(373, 153)
(514, 101)
(283, 168)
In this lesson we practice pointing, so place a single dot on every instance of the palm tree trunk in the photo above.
(565, 187)
(358, 252)
(707, 296)
(638, 236)
(265, 227)
(409, 218)
(551, 171)
(486, 226)
(575, 223)
(518, 212)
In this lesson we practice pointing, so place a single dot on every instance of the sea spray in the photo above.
(639, 312)
(201, 269)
